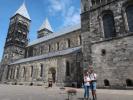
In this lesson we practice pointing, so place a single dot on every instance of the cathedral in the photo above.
(52, 56)
(102, 40)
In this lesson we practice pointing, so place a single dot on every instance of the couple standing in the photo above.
(90, 83)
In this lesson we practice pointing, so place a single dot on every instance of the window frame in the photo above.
(68, 43)
(124, 14)
(68, 71)
(41, 69)
(100, 17)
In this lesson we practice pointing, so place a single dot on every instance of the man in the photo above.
(93, 79)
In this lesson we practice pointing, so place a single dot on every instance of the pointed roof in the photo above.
(46, 25)
(23, 11)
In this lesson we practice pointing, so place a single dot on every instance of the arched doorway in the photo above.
(129, 82)
(106, 82)
(52, 74)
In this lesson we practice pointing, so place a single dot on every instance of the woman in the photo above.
(86, 85)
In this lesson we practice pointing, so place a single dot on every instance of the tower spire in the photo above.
(23, 11)
(45, 29)
(46, 25)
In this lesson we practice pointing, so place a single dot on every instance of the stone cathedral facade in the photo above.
(104, 40)
(107, 34)
(51, 57)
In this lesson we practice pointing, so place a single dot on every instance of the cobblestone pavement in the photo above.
(10, 92)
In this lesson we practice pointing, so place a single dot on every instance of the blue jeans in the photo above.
(86, 91)
(93, 86)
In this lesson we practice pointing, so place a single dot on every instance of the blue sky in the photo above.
(61, 13)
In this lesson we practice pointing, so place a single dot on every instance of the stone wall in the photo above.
(55, 63)
(116, 65)
(112, 61)
(25, 76)
(52, 46)
(96, 24)
(31, 72)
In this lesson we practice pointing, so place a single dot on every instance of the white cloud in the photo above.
(55, 5)
(72, 17)
(65, 9)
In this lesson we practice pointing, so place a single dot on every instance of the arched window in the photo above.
(69, 42)
(93, 2)
(17, 73)
(11, 76)
(35, 51)
(23, 72)
(106, 82)
(49, 48)
(109, 25)
(79, 40)
(31, 71)
(52, 74)
(129, 12)
(129, 82)
(8, 70)
(67, 68)
(41, 50)
(41, 70)
(30, 51)
(57, 45)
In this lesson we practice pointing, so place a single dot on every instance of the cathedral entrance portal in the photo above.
(52, 75)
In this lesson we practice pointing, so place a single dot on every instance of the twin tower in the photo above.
(16, 40)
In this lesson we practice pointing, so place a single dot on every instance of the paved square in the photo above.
(10, 92)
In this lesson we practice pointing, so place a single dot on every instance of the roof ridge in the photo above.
(48, 55)
(56, 34)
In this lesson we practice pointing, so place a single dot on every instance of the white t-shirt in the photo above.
(93, 76)
(86, 80)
